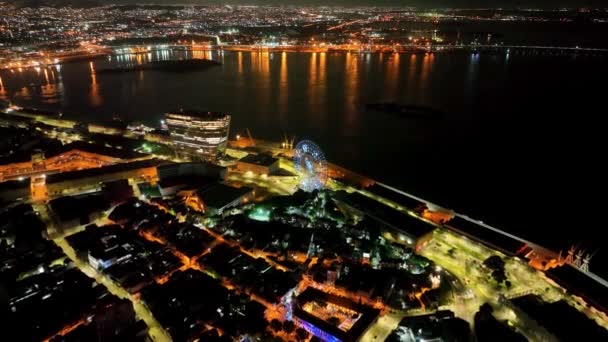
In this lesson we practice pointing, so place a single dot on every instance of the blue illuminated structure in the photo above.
(318, 326)
(310, 163)
(325, 336)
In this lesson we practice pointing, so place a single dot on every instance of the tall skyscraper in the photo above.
(198, 135)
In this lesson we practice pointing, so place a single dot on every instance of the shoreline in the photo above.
(20, 63)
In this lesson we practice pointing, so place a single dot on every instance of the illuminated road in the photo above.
(345, 24)
(382, 328)
(156, 331)
(525, 275)
(481, 225)
(272, 310)
(58, 237)
(464, 261)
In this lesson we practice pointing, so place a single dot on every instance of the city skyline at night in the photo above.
(371, 3)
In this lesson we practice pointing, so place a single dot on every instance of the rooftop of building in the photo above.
(14, 218)
(406, 201)
(220, 195)
(186, 182)
(368, 315)
(14, 190)
(259, 159)
(15, 185)
(581, 285)
(74, 175)
(382, 213)
(552, 315)
(440, 325)
(488, 327)
(29, 298)
(191, 169)
(79, 207)
(199, 114)
(52, 150)
(486, 236)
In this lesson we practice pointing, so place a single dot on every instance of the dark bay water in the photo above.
(521, 144)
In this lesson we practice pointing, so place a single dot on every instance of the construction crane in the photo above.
(287, 144)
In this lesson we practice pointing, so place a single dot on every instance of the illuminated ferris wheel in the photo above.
(310, 163)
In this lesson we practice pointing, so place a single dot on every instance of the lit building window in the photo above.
(198, 135)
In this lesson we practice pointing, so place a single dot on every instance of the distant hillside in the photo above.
(57, 3)
(415, 3)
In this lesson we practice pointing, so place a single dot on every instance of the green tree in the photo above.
(289, 326)
(494, 263)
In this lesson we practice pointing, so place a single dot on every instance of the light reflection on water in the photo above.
(2, 91)
(240, 62)
(351, 92)
(312, 82)
(323, 96)
(392, 75)
(267, 82)
(94, 96)
(283, 85)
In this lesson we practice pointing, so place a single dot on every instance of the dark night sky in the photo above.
(417, 3)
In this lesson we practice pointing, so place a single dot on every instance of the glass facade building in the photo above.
(198, 135)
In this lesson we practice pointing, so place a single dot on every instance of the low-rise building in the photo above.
(438, 326)
(216, 198)
(70, 212)
(174, 178)
(405, 228)
(70, 157)
(331, 317)
(12, 191)
(86, 180)
(551, 317)
(261, 164)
